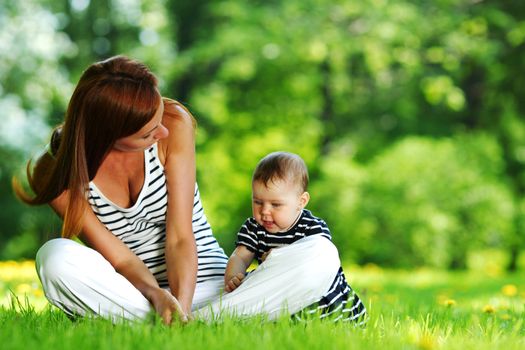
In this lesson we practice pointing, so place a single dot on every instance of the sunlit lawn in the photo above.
(19, 279)
(419, 309)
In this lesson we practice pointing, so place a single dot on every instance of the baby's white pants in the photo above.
(78, 280)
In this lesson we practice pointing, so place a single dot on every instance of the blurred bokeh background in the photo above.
(409, 114)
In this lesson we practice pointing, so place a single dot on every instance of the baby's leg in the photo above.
(78, 280)
(291, 278)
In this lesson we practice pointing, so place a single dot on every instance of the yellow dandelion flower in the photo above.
(426, 342)
(449, 302)
(505, 317)
(489, 309)
(371, 267)
(38, 292)
(23, 288)
(509, 290)
(12, 270)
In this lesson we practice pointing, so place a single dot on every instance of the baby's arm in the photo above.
(239, 261)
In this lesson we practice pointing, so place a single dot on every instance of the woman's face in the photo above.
(145, 137)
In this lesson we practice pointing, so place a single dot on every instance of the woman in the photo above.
(120, 172)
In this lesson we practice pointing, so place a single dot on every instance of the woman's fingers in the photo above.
(169, 305)
(166, 316)
(176, 307)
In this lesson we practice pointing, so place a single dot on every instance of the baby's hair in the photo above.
(282, 166)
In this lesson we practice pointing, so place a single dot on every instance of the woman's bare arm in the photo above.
(178, 155)
(125, 262)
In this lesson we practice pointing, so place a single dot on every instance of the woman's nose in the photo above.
(161, 132)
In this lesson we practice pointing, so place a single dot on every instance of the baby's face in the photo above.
(277, 205)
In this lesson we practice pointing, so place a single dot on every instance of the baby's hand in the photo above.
(234, 282)
(265, 255)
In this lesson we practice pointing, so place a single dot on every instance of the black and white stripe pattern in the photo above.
(340, 303)
(142, 227)
(258, 240)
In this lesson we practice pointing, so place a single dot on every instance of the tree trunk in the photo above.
(327, 111)
(187, 20)
(514, 251)
(458, 262)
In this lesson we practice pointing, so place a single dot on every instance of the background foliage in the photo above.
(409, 114)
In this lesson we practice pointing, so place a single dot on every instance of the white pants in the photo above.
(78, 280)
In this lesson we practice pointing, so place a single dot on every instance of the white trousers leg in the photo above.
(78, 280)
(290, 279)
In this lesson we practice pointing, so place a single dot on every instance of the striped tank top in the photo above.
(142, 227)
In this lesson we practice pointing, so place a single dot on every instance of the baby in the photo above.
(279, 197)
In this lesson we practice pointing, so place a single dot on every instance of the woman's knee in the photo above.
(57, 257)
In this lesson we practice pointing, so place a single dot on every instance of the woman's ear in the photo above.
(304, 199)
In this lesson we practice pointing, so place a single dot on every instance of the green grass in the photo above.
(420, 309)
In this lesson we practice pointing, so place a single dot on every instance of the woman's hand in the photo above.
(168, 307)
(234, 282)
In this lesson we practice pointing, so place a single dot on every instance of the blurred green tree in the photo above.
(422, 202)
(274, 75)
(31, 91)
(354, 87)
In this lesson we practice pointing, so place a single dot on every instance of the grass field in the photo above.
(418, 309)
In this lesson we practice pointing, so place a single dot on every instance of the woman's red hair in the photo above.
(113, 99)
